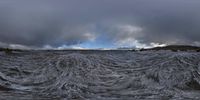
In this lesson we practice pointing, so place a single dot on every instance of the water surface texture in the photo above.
(99, 75)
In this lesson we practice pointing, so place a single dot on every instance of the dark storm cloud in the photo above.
(38, 23)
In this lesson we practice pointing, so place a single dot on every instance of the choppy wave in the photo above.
(100, 75)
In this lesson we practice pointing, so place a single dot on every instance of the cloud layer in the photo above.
(113, 23)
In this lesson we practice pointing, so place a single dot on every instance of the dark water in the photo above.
(99, 75)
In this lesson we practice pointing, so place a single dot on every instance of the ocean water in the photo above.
(99, 75)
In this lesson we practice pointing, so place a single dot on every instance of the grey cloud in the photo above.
(38, 23)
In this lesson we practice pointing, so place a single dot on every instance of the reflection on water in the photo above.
(101, 75)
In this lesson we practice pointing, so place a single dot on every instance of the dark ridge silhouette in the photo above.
(6, 50)
(9, 50)
(175, 48)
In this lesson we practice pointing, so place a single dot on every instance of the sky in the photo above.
(98, 23)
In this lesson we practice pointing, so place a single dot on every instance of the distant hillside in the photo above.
(175, 48)
(8, 50)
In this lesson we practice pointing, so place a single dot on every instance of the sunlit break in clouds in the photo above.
(98, 23)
